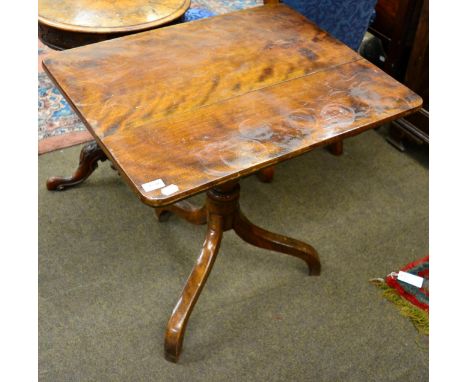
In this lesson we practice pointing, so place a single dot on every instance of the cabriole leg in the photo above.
(90, 154)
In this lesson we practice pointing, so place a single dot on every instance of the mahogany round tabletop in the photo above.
(68, 23)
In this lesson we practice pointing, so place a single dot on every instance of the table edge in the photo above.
(235, 176)
(252, 170)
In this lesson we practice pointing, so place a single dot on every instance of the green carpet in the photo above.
(110, 274)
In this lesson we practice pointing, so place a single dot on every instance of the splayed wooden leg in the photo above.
(184, 209)
(90, 154)
(197, 279)
(223, 213)
(259, 237)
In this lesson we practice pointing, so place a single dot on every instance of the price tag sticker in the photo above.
(153, 185)
(169, 190)
(411, 279)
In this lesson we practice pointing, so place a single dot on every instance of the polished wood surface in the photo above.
(180, 315)
(67, 24)
(109, 16)
(223, 214)
(198, 104)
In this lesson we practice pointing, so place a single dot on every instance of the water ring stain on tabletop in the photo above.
(284, 132)
(231, 155)
(243, 153)
(338, 85)
(336, 115)
(302, 119)
(260, 131)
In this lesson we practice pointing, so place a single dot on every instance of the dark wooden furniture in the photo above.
(65, 24)
(403, 28)
(194, 107)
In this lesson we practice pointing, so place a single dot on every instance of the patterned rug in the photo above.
(59, 126)
(412, 301)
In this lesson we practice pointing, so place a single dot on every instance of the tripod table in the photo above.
(196, 106)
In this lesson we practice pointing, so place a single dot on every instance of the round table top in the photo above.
(108, 16)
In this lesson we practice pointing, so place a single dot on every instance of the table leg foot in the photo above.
(262, 238)
(90, 154)
(184, 209)
(336, 148)
(266, 175)
(181, 313)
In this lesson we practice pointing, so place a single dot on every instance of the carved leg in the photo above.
(336, 148)
(91, 153)
(181, 313)
(266, 175)
(184, 209)
(259, 237)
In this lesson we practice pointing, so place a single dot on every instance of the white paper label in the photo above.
(169, 190)
(410, 279)
(153, 185)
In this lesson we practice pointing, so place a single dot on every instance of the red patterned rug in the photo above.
(417, 296)
(408, 288)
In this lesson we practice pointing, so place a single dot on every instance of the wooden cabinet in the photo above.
(403, 28)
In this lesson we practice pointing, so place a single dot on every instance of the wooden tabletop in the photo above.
(197, 104)
(109, 16)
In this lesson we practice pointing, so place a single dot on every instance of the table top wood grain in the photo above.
(206, 102)
(109, 16)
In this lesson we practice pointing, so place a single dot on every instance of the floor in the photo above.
(110, 274)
